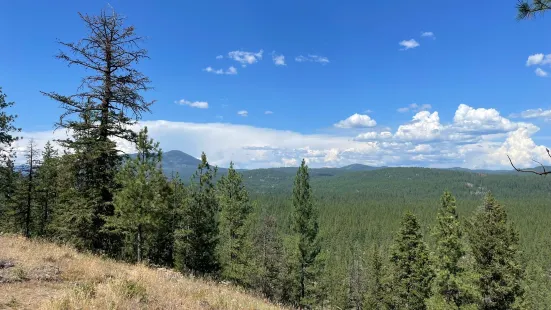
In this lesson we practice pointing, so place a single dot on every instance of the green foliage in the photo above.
(197, 234)
(268, 263)
(305, 225)
(527, 10)
(375, 288)
(7, 129)
(452, 280)
(494, 244)
(47, 187)
(412, 273)
(140, 204)
(235, 208)
(105, 106)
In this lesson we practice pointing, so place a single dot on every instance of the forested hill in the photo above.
(387, 182)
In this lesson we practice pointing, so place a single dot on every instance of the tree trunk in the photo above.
(139, 243)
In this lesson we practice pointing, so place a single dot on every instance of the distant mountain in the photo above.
(185, 165)
(360, 167)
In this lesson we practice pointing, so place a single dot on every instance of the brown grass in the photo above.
(48, 276)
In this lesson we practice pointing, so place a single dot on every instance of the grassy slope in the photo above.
(48, 276)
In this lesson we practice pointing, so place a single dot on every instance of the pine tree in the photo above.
(267, 270)
(375, 289)
(356, 281)
(451, 280)
(25, 196)
(494, 244)
(139, 204)
(197, 235)
(107, 103)
(8, 189)
(234, 213)
(7, 130)
(305, 226)
(527, 10)
(47, 187)
(412, 273)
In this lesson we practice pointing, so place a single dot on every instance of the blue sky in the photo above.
(471, 68)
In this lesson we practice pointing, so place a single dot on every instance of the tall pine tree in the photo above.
(306, 227)
(453, 283)
(47, 187)
(7, 130)
(107, 103)
(197, 234)
(235, 208)
(495, 243)
(412, 272)
(140, 202)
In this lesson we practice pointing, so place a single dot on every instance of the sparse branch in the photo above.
(544, 172)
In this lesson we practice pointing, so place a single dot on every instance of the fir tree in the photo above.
(267, 269)
(527, 10)
(451, 280)
(234, 213)
(7, 130)
(375, 289)
(139, 203)
(25, 200)
(107, 103)
(412, 273)
(47, 186)
(197, 236)
(305, 226)
(494, 244)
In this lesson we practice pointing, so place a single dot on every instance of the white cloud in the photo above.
(414, 107)
(243, 113)
(194, 104)
(427, 34)
(279, 60)
(357, 121)
(536, 113)
(219, 57)
(231, 70)
(538, 59)
(540, 72)
(409, 44)
(424, 127)
(373, 135)
(289, 162)
(476, 138)
(268, 112)
(487, 121)
(312, 58)
(245, 58)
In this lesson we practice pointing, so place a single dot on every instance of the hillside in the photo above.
(48, 276)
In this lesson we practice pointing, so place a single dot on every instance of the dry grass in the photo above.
(48, 276)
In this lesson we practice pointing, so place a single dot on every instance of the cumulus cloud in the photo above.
(424, 127)
(427, 34)
(414, 107)
(373, 135)
(312, 58)
(279, 60)
(245, 58)
(481, 120)
(408, 44)
(268, 112)
(231, 70)
(193, 104)
(476, 138)
(243, 113)
(357, 121)
(538, 59)
(540, 72)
